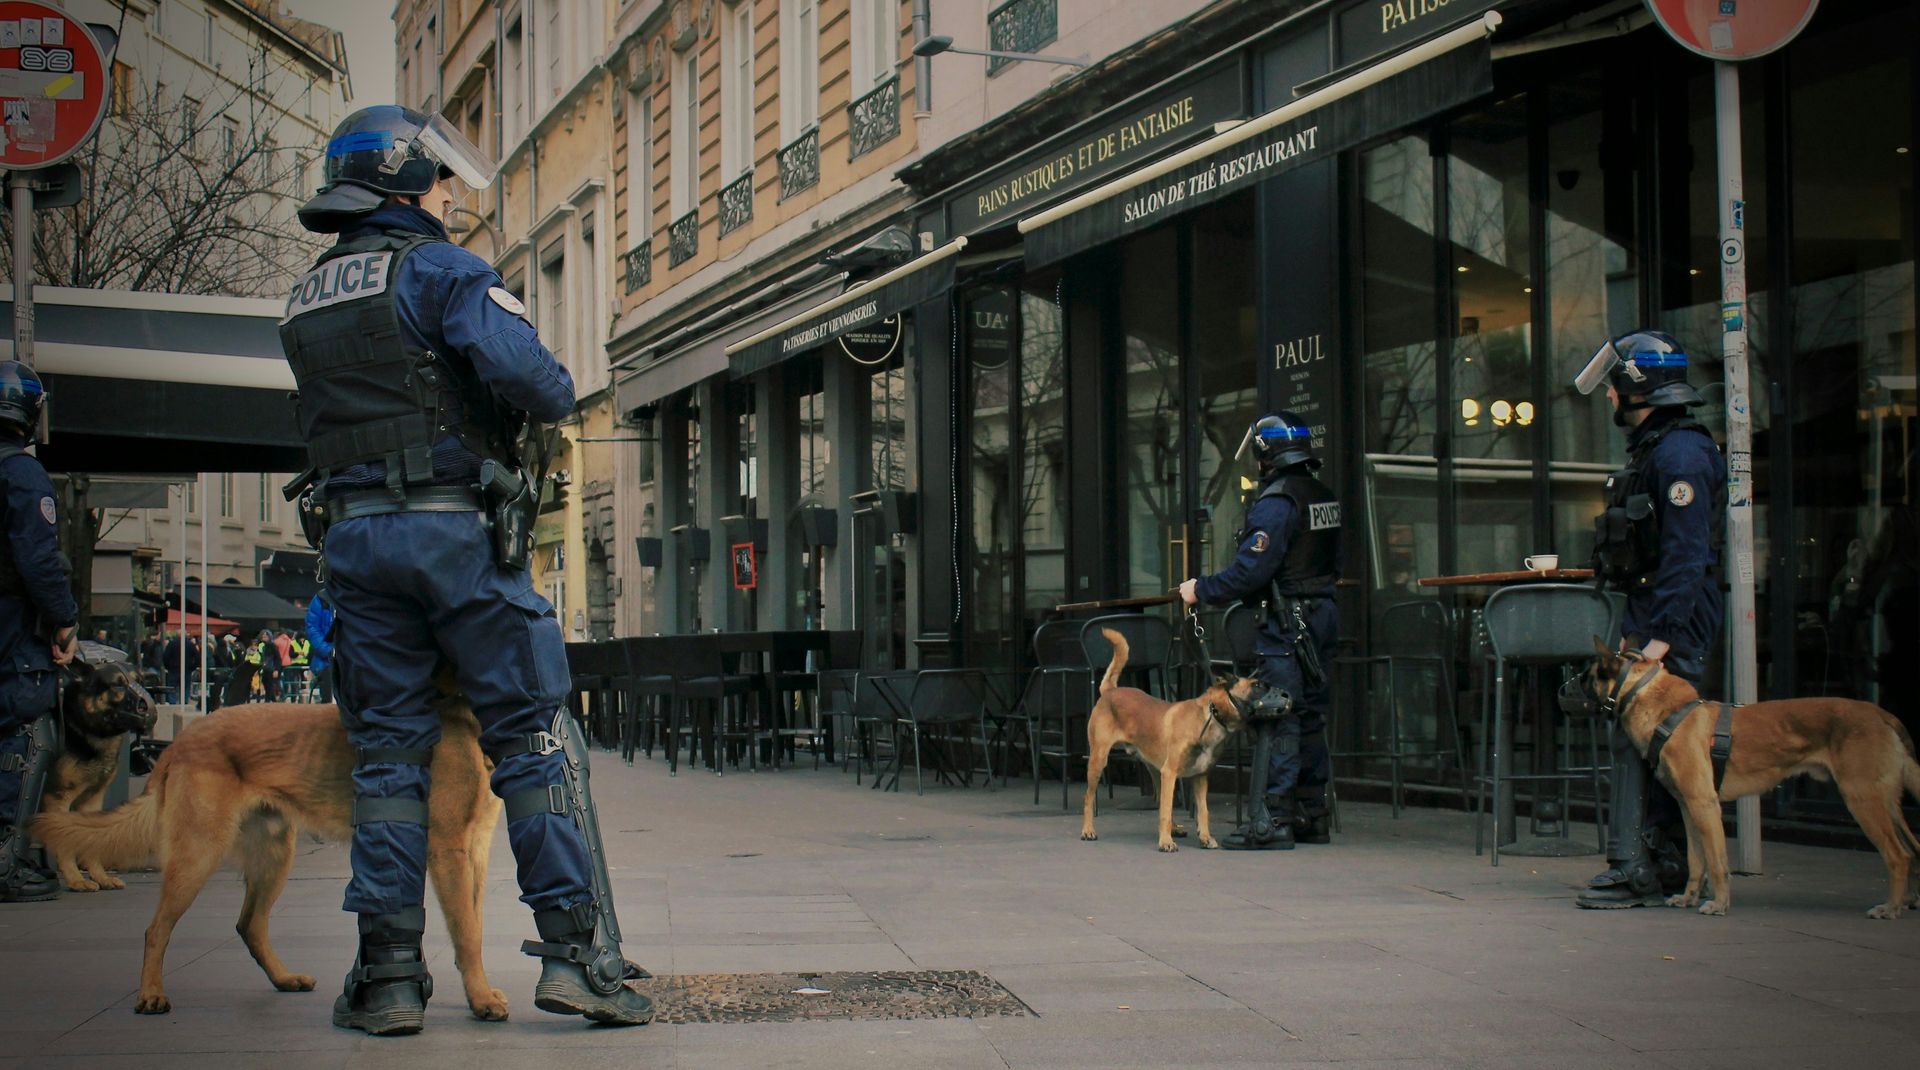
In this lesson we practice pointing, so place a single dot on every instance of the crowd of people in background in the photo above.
(276, 665)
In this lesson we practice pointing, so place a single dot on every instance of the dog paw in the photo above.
(1713, 908)
(490, 1008)
(1210, 843)
(1089, 836)
(109, 882)
(1884, 912)
(81, 885)
(1168, 847)
(294, 982)
(1179, 832)
(153, 1004)
(1682, 900)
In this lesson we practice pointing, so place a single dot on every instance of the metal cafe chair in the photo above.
(1053, 693)
(590, 666)
(1535, 626)
(941, 701)
(877, 705)
(643, 692)
(1414, 635)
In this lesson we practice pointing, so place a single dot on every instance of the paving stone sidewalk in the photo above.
(1394, 947)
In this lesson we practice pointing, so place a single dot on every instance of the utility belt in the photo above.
(506, 499)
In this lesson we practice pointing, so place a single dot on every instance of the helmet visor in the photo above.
(1590, 377)
(450, 149)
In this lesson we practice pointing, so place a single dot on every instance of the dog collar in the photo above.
(1616, 701)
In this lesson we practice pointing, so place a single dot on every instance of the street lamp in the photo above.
(928, 47)
(493, 236)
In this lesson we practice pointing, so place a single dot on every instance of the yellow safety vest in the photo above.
(299, 649)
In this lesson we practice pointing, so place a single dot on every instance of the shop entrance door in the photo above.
(879, 584)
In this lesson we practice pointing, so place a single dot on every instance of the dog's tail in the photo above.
(1119, 661)
(121, 838)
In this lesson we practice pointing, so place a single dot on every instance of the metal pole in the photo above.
(181, 698)
(1733, 322)
(203, 601)
(22, 200)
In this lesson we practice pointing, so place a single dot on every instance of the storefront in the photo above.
(1411, 232)
(1419, 278)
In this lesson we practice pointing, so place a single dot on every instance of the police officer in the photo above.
(37, 619)
(1286, 568)
(414, 364)
(1657, 539)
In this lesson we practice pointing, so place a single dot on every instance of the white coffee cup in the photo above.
(1542, 562)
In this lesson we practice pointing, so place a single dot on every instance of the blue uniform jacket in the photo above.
(442, 295)
(1686, 479)
(33, 537)
(1262, 548)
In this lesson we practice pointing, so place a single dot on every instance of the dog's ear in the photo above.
(1600, 648)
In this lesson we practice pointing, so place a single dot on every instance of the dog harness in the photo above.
(1722, 738)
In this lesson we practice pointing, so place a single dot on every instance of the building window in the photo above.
(799, 67)
(1021, 26)
(266, 500)
(553, 301)
(122, 88)
(226, 495)
(513, 82)
(230, 139)
(873, 119)
(592, 300)
(686, 135)
(639, 168)
(876, 38)
(736, 95)
(189, 123)
(552, 44)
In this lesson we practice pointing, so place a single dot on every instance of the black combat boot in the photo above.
(1312, 828)
(580, 974)
(388, 988)
(21, 881)
(1622, 886)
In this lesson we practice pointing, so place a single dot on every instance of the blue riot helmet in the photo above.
(1647, 364)
(1281, 440)
(389, 151)
(21, 396)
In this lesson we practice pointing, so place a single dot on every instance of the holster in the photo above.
(1291, 612)
(512, 503)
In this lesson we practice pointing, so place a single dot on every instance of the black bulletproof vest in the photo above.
(1626, 534)
(365, 395)
(11, 582)
(1312, 564)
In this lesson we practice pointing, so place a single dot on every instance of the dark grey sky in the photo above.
(368, 25)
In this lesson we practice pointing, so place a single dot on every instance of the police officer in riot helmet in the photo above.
(37, 620)
(416, 368)
(1658, 540)
(1285, 569)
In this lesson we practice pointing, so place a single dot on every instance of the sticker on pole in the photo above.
(1732, 29)
(53, 85)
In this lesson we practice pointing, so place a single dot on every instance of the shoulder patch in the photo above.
(1322, 515)
(344, 278)
(1680, 492)
(1260, 543)
(47, 510)
(503, 297)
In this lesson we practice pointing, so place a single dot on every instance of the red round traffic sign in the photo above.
(1732, 29)
(53, 84)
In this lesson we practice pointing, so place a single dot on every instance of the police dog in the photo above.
(245, 781)
(1856, 745)
(1176, 740)
(102, 703)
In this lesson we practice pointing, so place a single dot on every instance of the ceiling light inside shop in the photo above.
(1470, 412)
(1523, 413)
(1462, 269)
(1502, 413)
(1902, 150)
(1693, 271)
(1526, 289)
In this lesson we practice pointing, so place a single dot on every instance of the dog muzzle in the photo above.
(1574, 698)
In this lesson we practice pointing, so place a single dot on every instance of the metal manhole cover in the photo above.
(843, 996)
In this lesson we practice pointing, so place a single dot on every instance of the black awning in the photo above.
(247, 605)
(1395, 93)
(862, 306)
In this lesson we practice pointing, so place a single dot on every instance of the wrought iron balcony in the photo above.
(874, 120)
(1021, 26)
(800, 163)
(638, 265)
(736, 204)
(683, 238)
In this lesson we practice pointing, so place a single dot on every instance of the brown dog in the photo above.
(1858, 746)
(102, 703)
(1175, 739)
(246, 780)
